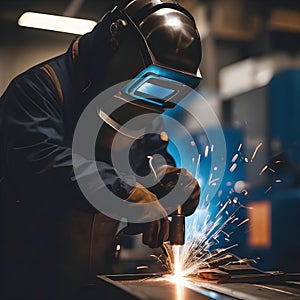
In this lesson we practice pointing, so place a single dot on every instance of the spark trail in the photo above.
(202, 236)
(196, 253)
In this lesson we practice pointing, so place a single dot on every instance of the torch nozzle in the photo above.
(177, 228)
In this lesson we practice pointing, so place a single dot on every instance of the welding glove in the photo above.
(189, 190)
(154, 232)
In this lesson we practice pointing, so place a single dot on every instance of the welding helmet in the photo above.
(170, 46)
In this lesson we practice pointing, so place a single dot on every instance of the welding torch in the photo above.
(177, 224)
(177, 227)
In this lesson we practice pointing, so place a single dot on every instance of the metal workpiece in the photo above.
(149, 287)
(162, 286)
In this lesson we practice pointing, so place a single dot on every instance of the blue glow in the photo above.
(154, 90)
(189, 80)
(186, 148)
(159, 73)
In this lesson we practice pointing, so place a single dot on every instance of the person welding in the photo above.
(53, 238)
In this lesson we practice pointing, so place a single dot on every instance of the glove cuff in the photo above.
(124, 186)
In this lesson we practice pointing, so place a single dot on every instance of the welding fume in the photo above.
(84, 147)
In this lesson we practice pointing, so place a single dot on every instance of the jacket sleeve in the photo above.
(37, 157)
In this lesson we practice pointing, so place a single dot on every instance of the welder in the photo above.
(54, 239)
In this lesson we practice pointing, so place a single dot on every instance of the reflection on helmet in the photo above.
(173, 40)
(168, 34)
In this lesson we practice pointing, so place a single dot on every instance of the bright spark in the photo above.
(234, 220)
(206, 151)
(197, 166)
(151, 166)
(255, 152)
(233, 167)
(177, 266)
(212, 181)
(223, 207)
(195, 254)
(243, 222)
(204, 235)
(263, 169)
(235, 157)
(268, 189)
(142, 267)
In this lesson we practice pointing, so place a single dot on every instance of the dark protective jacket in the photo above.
(52, 239)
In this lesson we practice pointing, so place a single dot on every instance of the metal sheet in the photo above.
(154, 286)
(248, 291)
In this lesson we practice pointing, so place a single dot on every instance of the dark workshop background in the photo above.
(251, 78)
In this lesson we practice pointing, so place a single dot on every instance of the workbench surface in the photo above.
(156, 287)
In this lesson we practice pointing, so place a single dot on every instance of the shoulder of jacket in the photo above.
(49, 70)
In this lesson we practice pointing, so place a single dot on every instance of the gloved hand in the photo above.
(169, 177)
(154, 232)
